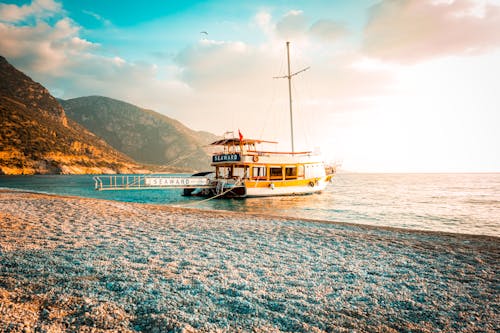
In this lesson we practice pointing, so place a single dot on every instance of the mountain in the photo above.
(146, 136)
(36, 137)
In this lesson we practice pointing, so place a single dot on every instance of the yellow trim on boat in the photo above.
(282, 183)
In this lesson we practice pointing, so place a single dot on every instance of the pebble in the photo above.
(218, 272)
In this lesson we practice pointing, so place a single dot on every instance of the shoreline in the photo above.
(80, 264)
(188, 208)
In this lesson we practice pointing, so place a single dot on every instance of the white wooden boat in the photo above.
(243, 170)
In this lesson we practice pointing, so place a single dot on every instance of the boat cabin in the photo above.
(240, 159)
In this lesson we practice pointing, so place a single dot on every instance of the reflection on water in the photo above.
(463, 203)
(289, 206)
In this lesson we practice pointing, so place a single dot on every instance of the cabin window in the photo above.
(276, 172)
(259, 172)
(290, 172)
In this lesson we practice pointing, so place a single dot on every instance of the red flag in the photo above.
(241, 135)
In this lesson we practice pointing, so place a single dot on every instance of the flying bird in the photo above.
(204, 32)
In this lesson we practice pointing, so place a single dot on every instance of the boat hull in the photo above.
(283, 188)
(271, 188)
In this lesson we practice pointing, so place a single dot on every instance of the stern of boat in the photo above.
(229, 188)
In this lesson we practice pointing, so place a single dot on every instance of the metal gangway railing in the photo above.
(142, 182)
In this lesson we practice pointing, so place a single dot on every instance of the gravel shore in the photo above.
(72, 264)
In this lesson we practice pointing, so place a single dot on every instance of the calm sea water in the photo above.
(461, 203)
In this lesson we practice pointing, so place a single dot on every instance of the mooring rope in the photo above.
(208, 199)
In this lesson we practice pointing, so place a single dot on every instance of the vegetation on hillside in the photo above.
(144, 135)
(36, 136)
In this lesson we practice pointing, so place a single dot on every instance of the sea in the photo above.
(457, 203)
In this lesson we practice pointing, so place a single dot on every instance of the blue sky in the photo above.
(155, 29)
(409, 85)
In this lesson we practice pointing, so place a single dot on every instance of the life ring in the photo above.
(311, 184)
(255, 158)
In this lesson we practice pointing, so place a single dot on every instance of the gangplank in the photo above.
(145, 182)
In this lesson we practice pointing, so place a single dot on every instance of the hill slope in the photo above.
(145, 135)
(37, 137)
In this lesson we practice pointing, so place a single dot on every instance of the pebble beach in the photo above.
(70, 264)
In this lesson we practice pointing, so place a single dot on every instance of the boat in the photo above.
(242, 169)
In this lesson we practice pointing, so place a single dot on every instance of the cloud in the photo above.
(327, 30)
(38, 9)
(43, 48)
(295, 25)
(115, 77)
(409, 31)
(263, 20)
(98, 18)
(208, 63)
(292, 25)
(40, 39)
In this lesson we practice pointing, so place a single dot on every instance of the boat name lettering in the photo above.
(226, 158)
(175, 181)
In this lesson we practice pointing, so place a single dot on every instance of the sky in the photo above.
(393, 85)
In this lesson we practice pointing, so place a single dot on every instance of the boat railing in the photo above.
(119, 182)
(97, 182)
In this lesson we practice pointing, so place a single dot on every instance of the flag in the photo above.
(241, 135)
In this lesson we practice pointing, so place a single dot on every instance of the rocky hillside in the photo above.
(145, 135)
(36, 137)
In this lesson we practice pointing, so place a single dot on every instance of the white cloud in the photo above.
(410, 31)
(296, 26)
(38, 8)
(43, 48)
(98, 17)
(292, 25)
(263, 20)
(327, 30)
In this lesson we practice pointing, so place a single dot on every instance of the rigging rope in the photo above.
(178, 159)
(272, 113)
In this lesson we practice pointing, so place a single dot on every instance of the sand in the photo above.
(72, 264)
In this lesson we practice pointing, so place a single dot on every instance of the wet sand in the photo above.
(86, 265)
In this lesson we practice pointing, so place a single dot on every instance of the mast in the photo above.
(289, 77)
